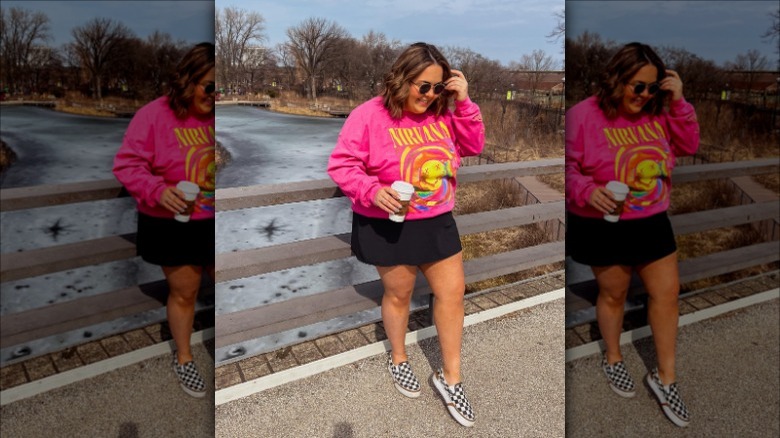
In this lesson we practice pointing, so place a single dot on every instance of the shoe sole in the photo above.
(191, 392)
(401, 389)
(665, 407)
(618, 391)
(450, 407)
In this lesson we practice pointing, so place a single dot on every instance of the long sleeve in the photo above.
(469, 128)
(347, 166)
(134, 161)
(578, 185)
(683, 128)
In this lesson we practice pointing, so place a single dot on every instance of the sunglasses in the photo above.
(651, 88)
(209, 88)
(425, 87)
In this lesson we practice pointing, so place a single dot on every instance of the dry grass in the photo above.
(7, 156)
(771, 182)
(291, 103)
(722, 239)
(728, 133)
(83, 110)
(700, 196)
(556, 180)
(517, 133)
(496, 195)
(742, 134)
(486, 196)
(222, 156)
(299, 111)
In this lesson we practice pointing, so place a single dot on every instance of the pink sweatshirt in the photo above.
(639, 151)
(159, 150)
(373, 150)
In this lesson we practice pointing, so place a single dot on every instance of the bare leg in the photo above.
(662, 281)
(447, 281)
(613, 284)
(398, 282)
(184, 283)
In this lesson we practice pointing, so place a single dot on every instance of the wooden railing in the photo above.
(581, 292)
(248, 332)
(65, 322)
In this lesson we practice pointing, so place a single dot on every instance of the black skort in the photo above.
(596, 242)
(168, 242)
(382, 242)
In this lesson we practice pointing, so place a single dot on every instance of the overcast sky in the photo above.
(498, 29)
(191, 21)
(713, 30)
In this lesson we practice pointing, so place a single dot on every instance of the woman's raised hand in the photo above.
(458, 85)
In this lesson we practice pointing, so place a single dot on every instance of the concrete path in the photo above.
(140, 400)
(513, 376)
(728, 369)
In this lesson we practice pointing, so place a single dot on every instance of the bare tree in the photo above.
(237, 33)
(21, 35)
(381, 55)
(773, 32)
(286, 60)
(748, 65)
(311, 42)
(163, 53)
(97, 44)
(586, 58)
(701, 77)
(534, 67)
(559, 31)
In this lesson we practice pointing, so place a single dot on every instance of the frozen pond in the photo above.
(266, 148)
(54, 147)
(272, 148)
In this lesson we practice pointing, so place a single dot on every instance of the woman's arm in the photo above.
(579, 186)
(347, 166)
(133, 163)
(469, 130)
(681, 120)
(683, 128)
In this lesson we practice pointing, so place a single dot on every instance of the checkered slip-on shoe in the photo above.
(404, 379)
(189, 378)
(619, 379)
(669, 399)
(454, 398)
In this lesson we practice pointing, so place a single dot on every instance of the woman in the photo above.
(170, 140)
(408, 133)
(624, 133)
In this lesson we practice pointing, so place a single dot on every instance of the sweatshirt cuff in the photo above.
(678, 106)
(370, 194)
(461, 106)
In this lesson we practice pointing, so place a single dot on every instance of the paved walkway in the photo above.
(137, 401)
(727, 369)
(513, 375)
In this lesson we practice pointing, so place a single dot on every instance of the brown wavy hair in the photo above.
(191, 69)
(406, 68)
(620, 69)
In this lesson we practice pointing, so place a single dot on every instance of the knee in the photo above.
(398, 298)
(667, 297)
(183, 296)
(613, 297)
(452, 297)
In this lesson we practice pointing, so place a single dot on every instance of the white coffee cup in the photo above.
(619, 192)
(191, 191)
(405, 192)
